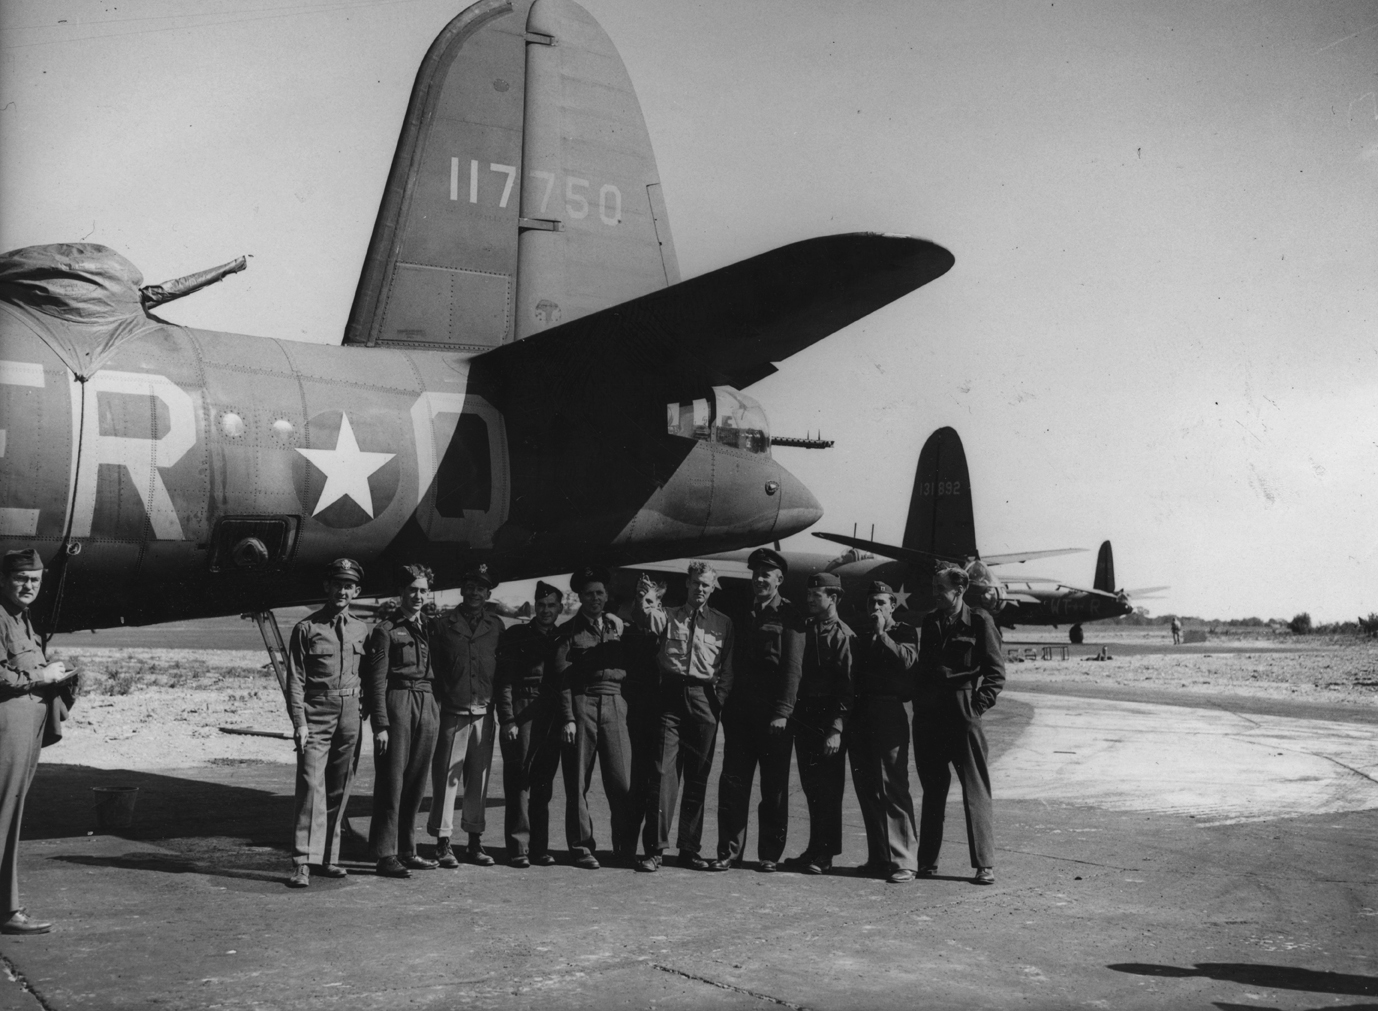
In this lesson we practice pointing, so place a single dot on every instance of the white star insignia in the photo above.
(346, 469)
(900, 597)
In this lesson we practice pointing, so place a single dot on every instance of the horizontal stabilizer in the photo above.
(890, 550)
(1024, 556)
(1141, 594)
(730, 326)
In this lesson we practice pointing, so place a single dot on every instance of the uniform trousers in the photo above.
(687, 736)
(600, 733)
(21, 738)
(463, 756)
(877, 741)
(947, 731)
(400, 773)
(747, 743)
(325, 772)
(529, 764)
(643, 730)
(823, 778)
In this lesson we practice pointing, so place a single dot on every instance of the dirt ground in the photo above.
(161, 708)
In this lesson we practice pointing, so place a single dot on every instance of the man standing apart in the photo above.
(961, 671)
(530, 735)
(825, 701)
(767, 666)
(883, 658)
(27, 681)
(405, 716)
(695, 661)
(323, 702)
(591, 665)
(464, 656)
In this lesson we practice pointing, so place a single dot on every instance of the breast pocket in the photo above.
(957, 653)
(403, 652)
(675, 648)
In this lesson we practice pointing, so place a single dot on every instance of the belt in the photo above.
(868, 697)
(668, 680)
(331, 693)
(409, 685)
(526, 691)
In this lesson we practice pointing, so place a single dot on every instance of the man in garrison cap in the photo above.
(590, 665)
(767, 664)
(695, 661)
(883, 656)
(961, 670)
(323, 685)
(464, 656)
(530, 734)
(820, 717)
(32, 692)
(405, 718)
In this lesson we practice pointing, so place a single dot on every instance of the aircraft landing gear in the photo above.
(1075, 635)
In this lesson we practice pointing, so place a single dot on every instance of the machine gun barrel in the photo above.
(157, 294)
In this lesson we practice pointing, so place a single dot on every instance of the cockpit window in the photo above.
(729, 417)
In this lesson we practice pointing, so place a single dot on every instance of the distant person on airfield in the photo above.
(1176, 630)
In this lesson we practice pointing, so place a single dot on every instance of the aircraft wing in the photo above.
(726, 568)
(730, 326)
(1024, 556)
(889, 550)
(1014, 596)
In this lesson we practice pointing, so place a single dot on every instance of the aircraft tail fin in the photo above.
(1105, 569)
(940, 507)
(523, 192)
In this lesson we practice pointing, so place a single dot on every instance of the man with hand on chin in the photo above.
(323, 702)
(766, 668)
(27, 681)
(405, 717)
(960, 672)
(820, 716)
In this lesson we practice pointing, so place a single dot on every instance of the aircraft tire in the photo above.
(1074, 634)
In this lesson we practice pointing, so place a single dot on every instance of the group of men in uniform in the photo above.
(642, 697)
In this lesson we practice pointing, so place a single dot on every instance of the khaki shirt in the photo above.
(23, 653)
(323, 660)
(694, 644)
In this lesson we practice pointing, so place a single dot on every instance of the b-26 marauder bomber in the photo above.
(524, 380)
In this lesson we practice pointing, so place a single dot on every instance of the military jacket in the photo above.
(825, 686)
(963, 653)
(323, 659)
(397, 655)
(464, 657)
(23, 653)
(768, 660)
(525, 653)
(589, 658)
(883, 664)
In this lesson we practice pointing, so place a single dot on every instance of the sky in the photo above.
(1162, 325)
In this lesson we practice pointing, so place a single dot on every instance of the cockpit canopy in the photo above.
(727, 417)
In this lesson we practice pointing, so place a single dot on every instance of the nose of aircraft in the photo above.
(799, 510)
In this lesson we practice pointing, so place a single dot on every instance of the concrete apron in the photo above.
(1108, 894)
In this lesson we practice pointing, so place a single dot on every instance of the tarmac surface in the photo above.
(1154, 851)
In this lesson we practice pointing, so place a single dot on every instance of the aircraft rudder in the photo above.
(941, 519)
(1105, 569)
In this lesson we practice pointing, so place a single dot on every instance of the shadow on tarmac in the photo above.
(1272, 977)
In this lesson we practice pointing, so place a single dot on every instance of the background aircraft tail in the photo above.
(523, 192)
(1105, 569)
(940, 510)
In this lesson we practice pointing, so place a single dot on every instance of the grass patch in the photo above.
(129, 671)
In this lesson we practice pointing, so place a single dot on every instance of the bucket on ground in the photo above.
(114, 805)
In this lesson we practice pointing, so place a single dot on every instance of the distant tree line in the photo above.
(1300, 624)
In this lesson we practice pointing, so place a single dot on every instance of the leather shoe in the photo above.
(984, 876)
(797, 863)
(391, 867)
(444, 856)
(333, 871)
(818, 865)
(767, 866)
(649, 864)
(719, 865)
(301, 877)
(474, 853)
(692, 861)
(520, 860)
(20, 922)
(544, 860)
(900, 876)
(418, 863)
(931, 871)
(588, 862)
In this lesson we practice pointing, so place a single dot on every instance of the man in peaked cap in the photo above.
(883, 656)
(27, 683)
(961, 670)
(590, 665)
(820, 716)
(464, 656)
(769, 654)
(323, 686)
